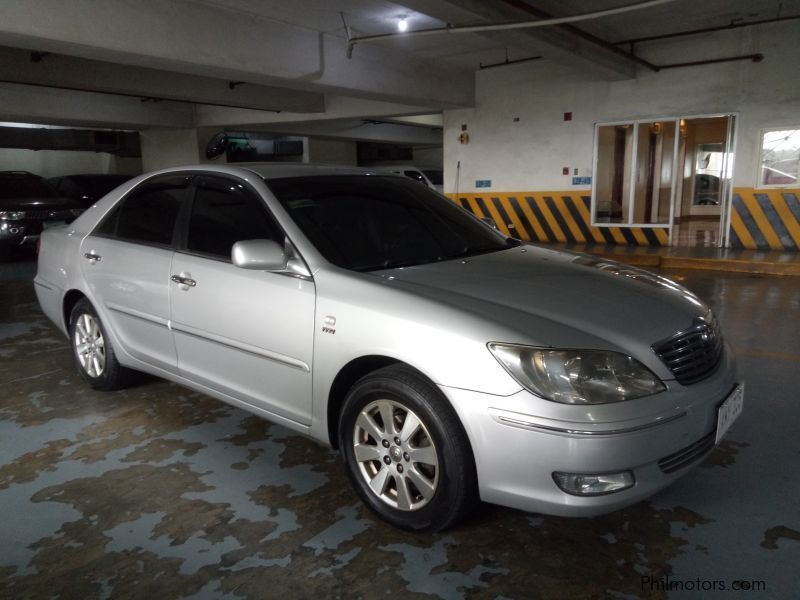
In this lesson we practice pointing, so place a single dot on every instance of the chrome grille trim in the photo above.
(693, 354)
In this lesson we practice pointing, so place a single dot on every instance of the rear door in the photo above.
(126, 263)
(247, 334)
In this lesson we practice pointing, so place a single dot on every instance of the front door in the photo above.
(247, 334)
(705, 156)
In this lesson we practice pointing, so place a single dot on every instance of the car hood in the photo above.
(38, 203)
(555, 298)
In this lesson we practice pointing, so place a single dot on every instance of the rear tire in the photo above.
(405, 451)
(92, 350)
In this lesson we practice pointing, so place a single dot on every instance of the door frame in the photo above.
(726, 191)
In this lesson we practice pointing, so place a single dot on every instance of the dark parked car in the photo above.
(87, 189)
(29, 204)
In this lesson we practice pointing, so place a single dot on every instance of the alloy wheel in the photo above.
(396, 455)
(90, 345)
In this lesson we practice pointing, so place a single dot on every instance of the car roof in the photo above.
(284, 170)
(398, 167)
(99, 176)
(18, 174)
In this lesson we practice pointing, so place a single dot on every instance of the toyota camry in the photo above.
(448, 363)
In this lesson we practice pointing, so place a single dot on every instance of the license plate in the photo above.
(729, 411)
(49, 224)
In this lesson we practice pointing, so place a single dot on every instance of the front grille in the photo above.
(692, 355)
(50, 215)
(686, 456)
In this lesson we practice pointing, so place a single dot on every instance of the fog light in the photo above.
(581, 484)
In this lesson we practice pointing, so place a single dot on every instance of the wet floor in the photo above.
(160, 492)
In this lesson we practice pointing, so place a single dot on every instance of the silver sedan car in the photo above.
(448, 363)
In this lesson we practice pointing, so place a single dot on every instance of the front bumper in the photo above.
(517, 445)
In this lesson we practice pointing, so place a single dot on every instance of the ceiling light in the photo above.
(402, 24)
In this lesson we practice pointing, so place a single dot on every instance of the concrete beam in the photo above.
(336, 107)
(31, 104)
(67, 72)
(214, 41)
(354, 129)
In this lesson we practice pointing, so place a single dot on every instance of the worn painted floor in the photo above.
(161, 492)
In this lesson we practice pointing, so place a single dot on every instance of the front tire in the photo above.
(92, 350)
(405, 451)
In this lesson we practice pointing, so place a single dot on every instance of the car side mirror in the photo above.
(259, 255)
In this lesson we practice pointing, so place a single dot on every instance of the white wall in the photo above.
(162, 148)
(529, 154)
(54, 163)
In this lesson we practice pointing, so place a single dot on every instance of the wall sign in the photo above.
(581, 181)
(483, 183)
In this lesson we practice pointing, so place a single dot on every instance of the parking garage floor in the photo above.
(161, 492)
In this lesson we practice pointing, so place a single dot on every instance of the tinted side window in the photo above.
(225, 212)
(148, 214)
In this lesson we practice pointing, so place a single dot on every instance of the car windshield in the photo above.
(24, 185)
(370, 222)
(434, 175)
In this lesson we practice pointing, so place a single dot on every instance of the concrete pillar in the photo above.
(162, 148)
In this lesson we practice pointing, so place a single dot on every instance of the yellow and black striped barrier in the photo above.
(765, 219)
(554, 217)
(760, 219)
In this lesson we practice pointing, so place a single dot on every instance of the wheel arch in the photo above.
(344, 380)
(71, 298)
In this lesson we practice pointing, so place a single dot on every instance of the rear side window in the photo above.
(224, 212)
(148, 214)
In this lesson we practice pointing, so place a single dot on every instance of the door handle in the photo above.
(188, 281)
(92, 257)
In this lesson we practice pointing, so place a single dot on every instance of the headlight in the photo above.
(12, 215)
(577, 376)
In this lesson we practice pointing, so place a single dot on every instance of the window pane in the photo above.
(709, 163)
(612, 175)
(367, 223)
(653, 182)
(780, 157)
(149, 214)
(223, 213)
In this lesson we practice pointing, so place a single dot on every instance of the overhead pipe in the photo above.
(712, 61)
(532, 10)
(666, 36)
(507, 62)
(545, 20)
(629, 55)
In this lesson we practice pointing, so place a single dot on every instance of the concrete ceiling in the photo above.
(213, 63)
